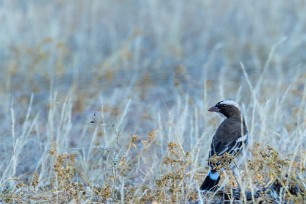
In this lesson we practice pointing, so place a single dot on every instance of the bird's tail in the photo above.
(211, 181)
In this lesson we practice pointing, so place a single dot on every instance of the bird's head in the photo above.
(227, 108)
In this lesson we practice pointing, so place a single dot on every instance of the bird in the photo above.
(231, 137)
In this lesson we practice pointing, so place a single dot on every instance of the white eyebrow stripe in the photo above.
(229, 102)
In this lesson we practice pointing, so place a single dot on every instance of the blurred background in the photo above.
(95, 45)
(140, 63)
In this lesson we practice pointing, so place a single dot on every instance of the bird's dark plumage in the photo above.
(227, 136)
(231, 136)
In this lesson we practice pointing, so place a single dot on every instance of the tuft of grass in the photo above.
(274, 179)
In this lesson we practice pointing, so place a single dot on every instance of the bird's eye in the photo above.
(222, 105)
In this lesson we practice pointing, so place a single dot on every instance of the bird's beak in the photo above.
(214, 109)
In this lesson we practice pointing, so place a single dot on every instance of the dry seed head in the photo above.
(152, 134)
(167, 160)
(19, 185)
(221, 161)
(35, 180)
(134, 138)
(72, 157)
(52, 151)
(171, 145)
(106, 192)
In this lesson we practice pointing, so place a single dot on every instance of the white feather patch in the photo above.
(243, 138)
(229, 102)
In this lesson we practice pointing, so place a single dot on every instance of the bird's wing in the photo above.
(228, 138)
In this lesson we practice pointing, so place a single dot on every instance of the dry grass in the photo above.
(267, 177)
(106, 101)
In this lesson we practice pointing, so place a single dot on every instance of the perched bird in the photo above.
(231, 137)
